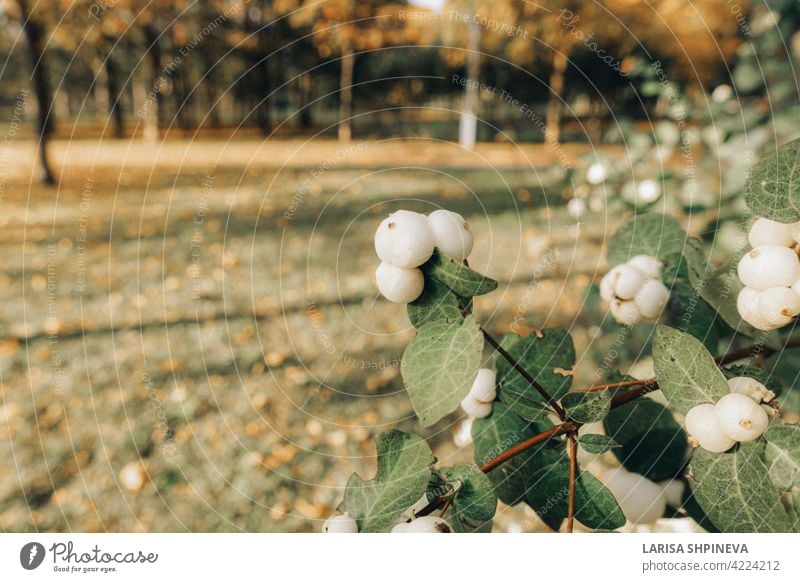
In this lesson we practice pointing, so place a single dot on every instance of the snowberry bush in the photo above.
(712, 445)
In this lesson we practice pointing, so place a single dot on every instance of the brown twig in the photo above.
(757, 350)
(613, 385)
(524, 373)
(447, 505)
(523, 446)
(573, 475)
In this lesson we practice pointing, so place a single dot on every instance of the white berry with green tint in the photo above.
(741, 418)
(399, 285)
(641, 500)
(427, 524)
(770, 232)
(778, 305)
(769, 266)
(404, 239)
(750, 387)
(340, 524)
(451, 234)
(705, 431)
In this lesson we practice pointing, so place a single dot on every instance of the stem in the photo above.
(524, 373)
(758, 350)
(523, 446)
(612, 385)
(573, 472)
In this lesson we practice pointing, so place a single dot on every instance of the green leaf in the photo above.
(404, 470)
(685, 370)
(595, 506)
(587, 406)
(773, 188)
(439, 366)
(690, 264)
(437, 303)
(653, 443)
(460, 278)
(689, 312)
(475, 499)
(782, 455)
(500, 431)
(548, 357)
(597, 444)
(646, 234)
(733, 492)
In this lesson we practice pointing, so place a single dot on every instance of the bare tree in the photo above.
(34, 36)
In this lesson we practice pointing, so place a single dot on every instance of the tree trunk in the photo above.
(150, 107)
(346, 94)
(305, 100)
(114, 96)
(553, 116)
(468, 122)
(44, 97)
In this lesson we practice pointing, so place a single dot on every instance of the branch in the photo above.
(524, 373)
(523, 446)
(573, 474)
(757, 350)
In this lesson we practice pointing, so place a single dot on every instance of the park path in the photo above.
(220, 323)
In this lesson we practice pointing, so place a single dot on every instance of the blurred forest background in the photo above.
(191, 338)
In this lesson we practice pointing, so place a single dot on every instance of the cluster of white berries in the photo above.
(640, 499)
(344, 523)
(634, 290)
(478, 403)
(771, 275)
(736, 417)
(407, 239)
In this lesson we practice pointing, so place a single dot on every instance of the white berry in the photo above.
(651, 298)
(649, 266)
(779, 305)
(608, 283)
(340, 524)
(596, 174)
(741, 418)
(750, 387)
(648, 191)
(769, 232)
(703, 426)
(476, 409)
(625, 312)
(451, 234)
(400, 528)
(484, 388)
(399, 285)
(427, 524)
(794, 228)
(673, 492)
(747, 305)
(404, 239)
(769, 266)
(629, 281)
(640, 499)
